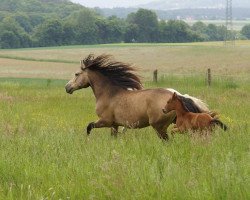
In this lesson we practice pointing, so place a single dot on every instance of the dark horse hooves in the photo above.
(165, 137)
(89, 127)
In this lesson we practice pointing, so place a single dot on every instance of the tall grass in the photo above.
(45, 153)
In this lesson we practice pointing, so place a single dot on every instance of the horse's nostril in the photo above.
(68, 89)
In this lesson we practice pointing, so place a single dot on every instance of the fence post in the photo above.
(155, 73)
(209, 76)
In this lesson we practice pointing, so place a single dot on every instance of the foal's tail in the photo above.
(219, 123)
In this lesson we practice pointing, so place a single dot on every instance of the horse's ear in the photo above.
(81, 63)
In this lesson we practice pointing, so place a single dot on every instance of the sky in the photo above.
(111, 3)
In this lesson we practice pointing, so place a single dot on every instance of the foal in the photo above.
(190, 121)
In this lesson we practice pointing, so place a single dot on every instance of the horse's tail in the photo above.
(219, 123)
(193, 104)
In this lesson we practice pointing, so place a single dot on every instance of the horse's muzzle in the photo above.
(69, 89)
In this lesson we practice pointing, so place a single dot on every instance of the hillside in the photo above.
(183, 4)
(194, 13)
(61, 7)
(37, 23)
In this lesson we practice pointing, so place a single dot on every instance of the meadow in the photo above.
(46, 154)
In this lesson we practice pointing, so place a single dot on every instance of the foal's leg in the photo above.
(99, 124)
(174, 131)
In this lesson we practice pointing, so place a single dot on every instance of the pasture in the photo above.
(45, 153)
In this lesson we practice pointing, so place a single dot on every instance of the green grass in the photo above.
(45, 153)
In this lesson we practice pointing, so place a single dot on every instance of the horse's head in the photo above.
(171, 104)
(80, 80)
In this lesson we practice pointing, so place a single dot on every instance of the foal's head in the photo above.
(172, 103)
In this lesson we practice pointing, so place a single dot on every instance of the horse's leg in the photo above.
(114, 130)
(161, 131)
(99, 124)
(124, 129)
(161, 126)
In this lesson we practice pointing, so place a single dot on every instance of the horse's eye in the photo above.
(77, 74)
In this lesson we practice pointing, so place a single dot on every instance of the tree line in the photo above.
(41, 23)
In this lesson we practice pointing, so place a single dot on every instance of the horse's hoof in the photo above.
(89, 127)
(165, 137)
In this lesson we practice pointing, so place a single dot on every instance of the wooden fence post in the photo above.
(155, 73)
(209, 76)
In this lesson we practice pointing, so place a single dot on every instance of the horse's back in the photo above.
(139, 108)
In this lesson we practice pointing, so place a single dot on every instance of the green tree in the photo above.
(9, 40)
(131, 33)
(162, 34)
(13, 35)
(49, 33)
(215, 33)
(200, 28)
(24, 21)
(147, 24)
(178, 31)
(110, 30)
(245, 31)
(69, 33)
(84, 23)
(36, 19)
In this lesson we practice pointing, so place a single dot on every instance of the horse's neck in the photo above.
(180, 110)
(100, 85)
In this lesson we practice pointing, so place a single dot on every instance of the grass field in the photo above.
(185, 58)
(45, 153)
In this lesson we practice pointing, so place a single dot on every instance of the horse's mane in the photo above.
(119, 74)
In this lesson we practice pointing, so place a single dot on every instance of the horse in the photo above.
(187, 120)
(120, 97)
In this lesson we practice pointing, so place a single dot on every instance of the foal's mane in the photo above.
(119, 74)
(181, 100)
(189, 105)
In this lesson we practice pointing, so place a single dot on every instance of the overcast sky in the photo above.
(111, 3)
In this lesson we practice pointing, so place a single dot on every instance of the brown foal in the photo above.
(188, 120)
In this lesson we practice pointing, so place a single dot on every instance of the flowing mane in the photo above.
(188, 104)
(119, 74)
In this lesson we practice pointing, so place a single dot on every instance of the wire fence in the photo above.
(207, 76)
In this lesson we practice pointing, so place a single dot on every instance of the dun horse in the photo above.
(188, 120)
(120, 98)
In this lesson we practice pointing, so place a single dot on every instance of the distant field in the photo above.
(237, 24)
(185, 58)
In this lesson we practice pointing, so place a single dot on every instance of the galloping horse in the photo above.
(187, 120)
(120, 98)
